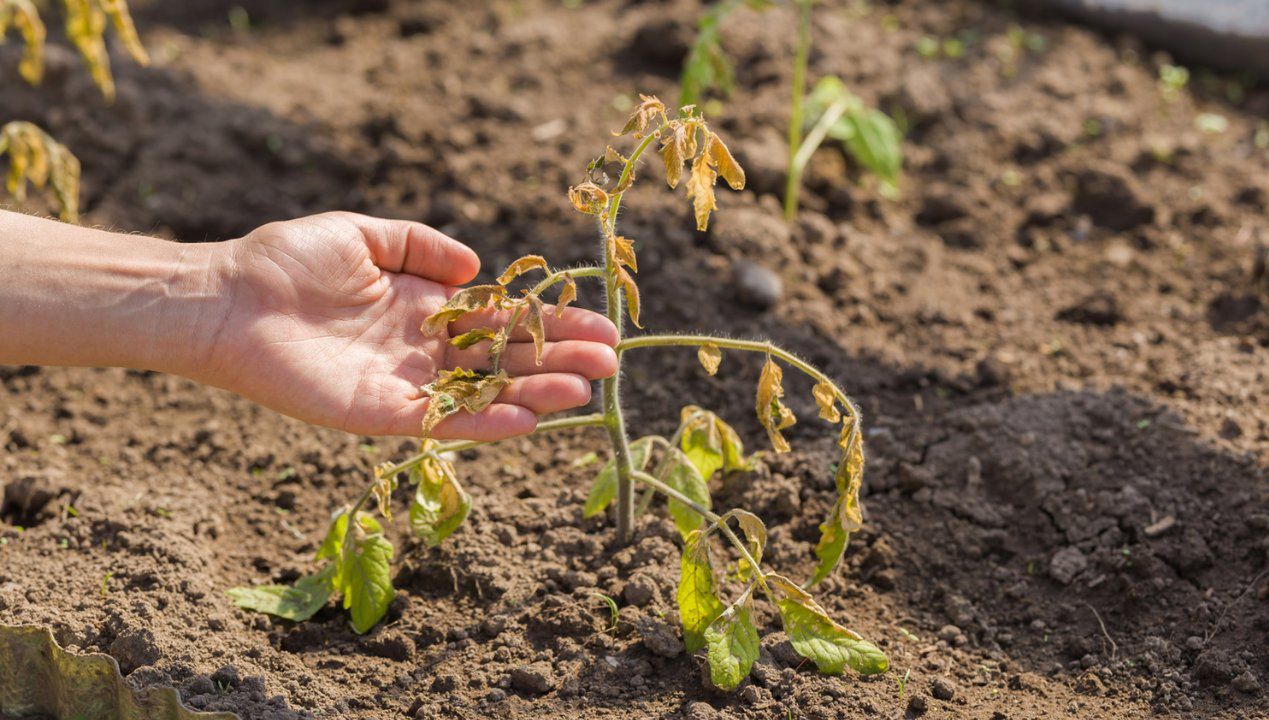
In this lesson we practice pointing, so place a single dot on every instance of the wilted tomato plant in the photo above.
(357, 553)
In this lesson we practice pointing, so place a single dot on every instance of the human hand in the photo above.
(321, 322)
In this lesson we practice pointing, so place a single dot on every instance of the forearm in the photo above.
(75, 296)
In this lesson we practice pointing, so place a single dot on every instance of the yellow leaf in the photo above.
(826, 398)
(117, 10)
(698, 599)
(588, 198)
(622, 252)
(23, 15)
(471, 337)
(568, 294)
(476, 297)
(520, 267)
(632, 295)
(383, 487)
(727, 165)
(710, 357)
(644, 116)
(35, 157)
(700, 188)
(772, 413)
(537, 329)
(674, 151)
(460, 389)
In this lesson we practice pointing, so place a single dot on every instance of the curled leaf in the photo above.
(772, 413)
(697, 597)
(588, 198)
(621, 251)
(644, 116)
(826, 398)
(709, 442)
(756, 535)
(710, 357)
(471, 337)
(476, 297)
(460, 389)
(726, 164)
(632, 294)
(568, 294)
(86, 27)
(382, 489)
(604, 489)
(23, 15)
(674, 150)
(37, 158)
(520, 267)
(700, 187)
(732, 641)
(816, 637)
(537, 328)
(440, 504)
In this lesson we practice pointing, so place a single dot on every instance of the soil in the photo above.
(1059, 335)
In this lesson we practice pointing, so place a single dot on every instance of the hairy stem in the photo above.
(565, 423)
(793, 181)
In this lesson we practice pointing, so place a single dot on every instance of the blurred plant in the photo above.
(358, 554)
(870, 136)
(707, 67)
(1172, 80)
(37, 158)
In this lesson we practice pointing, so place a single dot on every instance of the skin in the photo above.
(317, 318)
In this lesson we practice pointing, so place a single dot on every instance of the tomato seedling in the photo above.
(357, 552)
(37, 158)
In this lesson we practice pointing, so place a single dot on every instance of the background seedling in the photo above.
(707, 67)
(356, 551)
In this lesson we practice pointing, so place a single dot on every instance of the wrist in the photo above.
(199, 296)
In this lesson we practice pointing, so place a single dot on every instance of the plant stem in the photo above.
(747, 346)
(793, 181)
(566, 423)
(816, 136)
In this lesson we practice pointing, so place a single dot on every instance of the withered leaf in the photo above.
(476, 297)
(622, 251)
(700, 186)
(460, 389)
(36, 157)
(588, 198)
(497, 346)
(826, 399)
(568, 294)
(710, 357)
(772, 413)
(644, 116)
(727, 165)
(632, 295)
(26, 18)
(536, 327)
(471, 337)
(382, 489)
(674, 150)
(520, 267)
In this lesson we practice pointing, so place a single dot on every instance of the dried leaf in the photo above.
(604, 489)
(460, 389)
(621, 250)
(117, 10)
(698, 599)
(36, 158)
(497, 346)
(520, 267)
(476, 297)
(726, 164)
(537, 328)
(755, 532)
(86, 28)
(772, 413)
(632, 295)
(568, 294)
(826, 398)
(847, 513)
(710, 357)
(732, 640)
(674, 150)
(588, 198)
(644, 116)
(700, 187)
(440, 504)
(471, 337)
(382, 489)
(816, 637)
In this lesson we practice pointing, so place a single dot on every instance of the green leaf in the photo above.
(710, 443)
(440, 504)
(876, 143)
(684, 477)
(698, 599)
(293, 602)
(732, 640)
(816, 637)
(332, 545)
(605, 488)
(364, 577)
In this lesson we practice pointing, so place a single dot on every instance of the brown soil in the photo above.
(1056, 336)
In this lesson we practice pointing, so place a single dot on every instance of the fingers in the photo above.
(573, 324)
(514, 413)
(414, 248)
(591, 360)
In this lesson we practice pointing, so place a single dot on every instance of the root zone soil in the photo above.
(1057, 335)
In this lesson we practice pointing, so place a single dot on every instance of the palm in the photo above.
(330, 310)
